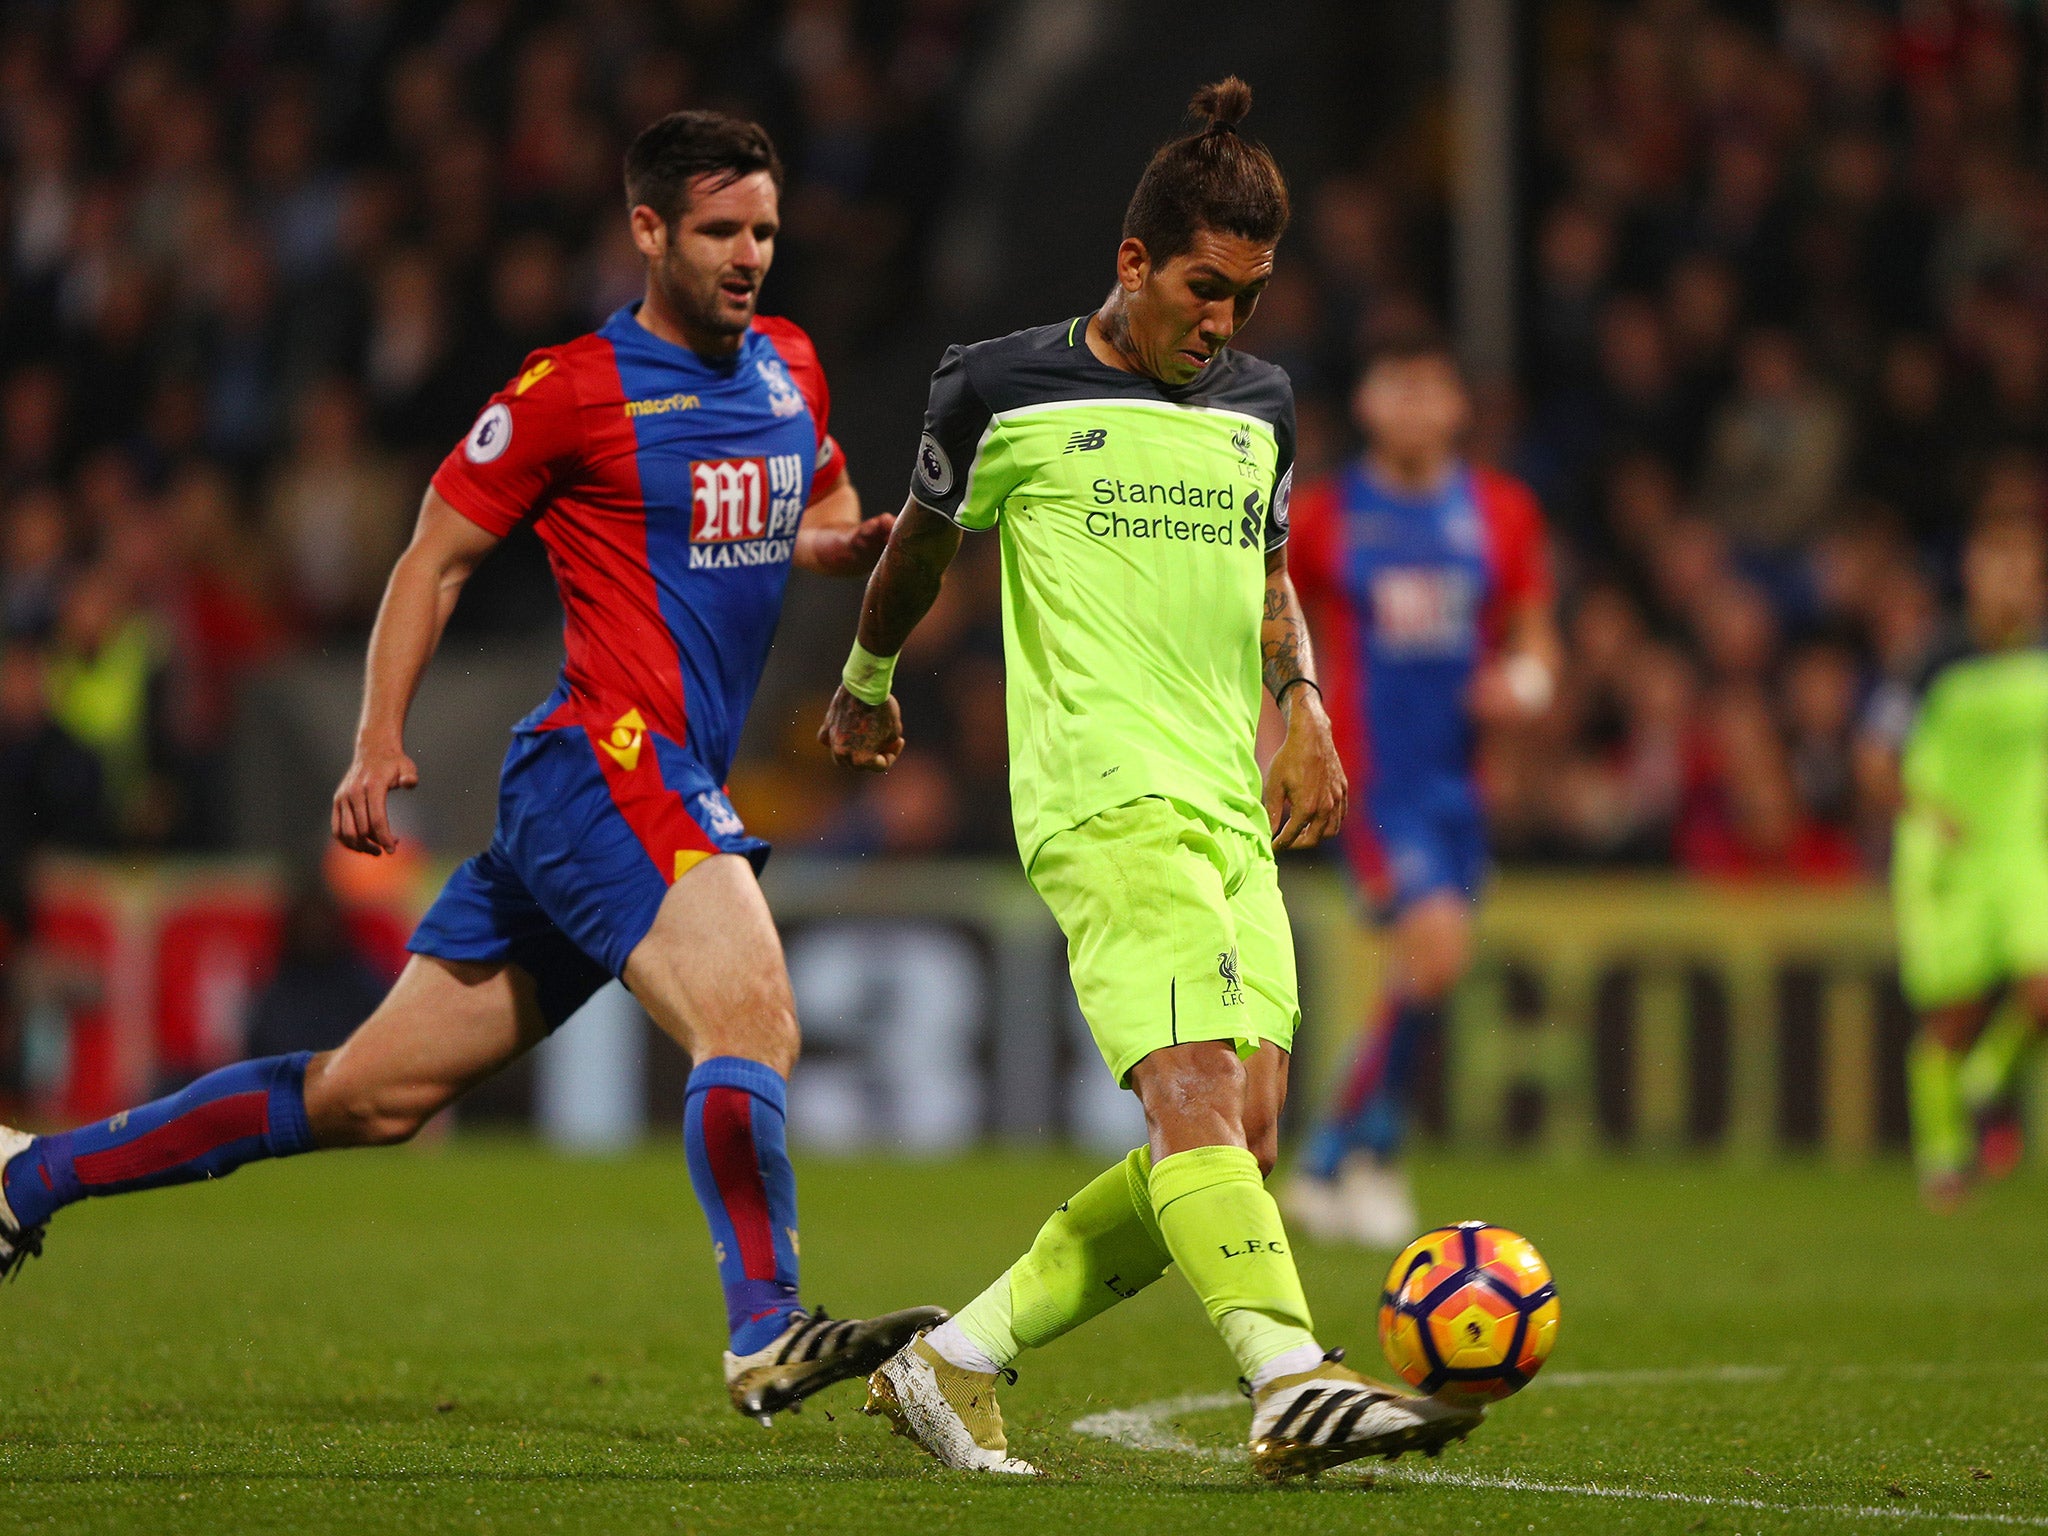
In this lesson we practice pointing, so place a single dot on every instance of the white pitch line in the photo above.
(1683, 1373)
(1716, 1501)
(1144, 1428)
(1147, 1428)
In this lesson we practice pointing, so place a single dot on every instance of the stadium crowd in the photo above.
(262, 263)
(1786, 331)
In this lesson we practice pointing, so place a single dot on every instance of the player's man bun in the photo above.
(1213, 178)
(674, 151)
(1223, 102)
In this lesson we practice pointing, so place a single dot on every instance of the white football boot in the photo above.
(1304, 1423)
(813, 1352)
(1377, 1207)
(944, 1409)
(18, 1244)
(1315, 1208)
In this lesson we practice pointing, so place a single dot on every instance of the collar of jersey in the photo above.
(624, 329)
(1143, 383)
(1388, 495)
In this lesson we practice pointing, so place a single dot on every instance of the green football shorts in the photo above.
(1175, 931)
(1969, 919)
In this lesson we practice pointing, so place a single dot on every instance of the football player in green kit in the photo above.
(1970, 854)
(1136, 469)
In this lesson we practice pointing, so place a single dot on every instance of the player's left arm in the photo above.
(1519, 681)
(833, 540)
(1306, 792)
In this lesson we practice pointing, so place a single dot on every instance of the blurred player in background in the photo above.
(1138, 469)
(1427, 585)
(1970, 855)
(676, 463)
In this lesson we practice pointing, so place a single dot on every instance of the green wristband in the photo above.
(867, 676)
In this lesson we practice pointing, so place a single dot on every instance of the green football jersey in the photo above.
(1976, 754)
(1135, 523)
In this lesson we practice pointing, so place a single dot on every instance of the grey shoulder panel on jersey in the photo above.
(1050, 363)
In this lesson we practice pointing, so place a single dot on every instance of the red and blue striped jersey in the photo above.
(1406, 596)
(667, 488)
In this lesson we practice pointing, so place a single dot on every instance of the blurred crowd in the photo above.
(1785, 340)
(1785, 335)
(260, 262)
(1785, 332)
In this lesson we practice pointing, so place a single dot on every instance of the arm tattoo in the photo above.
(904, 585)
(1283, 642)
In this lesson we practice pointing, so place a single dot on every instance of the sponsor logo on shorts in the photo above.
(1226, 967)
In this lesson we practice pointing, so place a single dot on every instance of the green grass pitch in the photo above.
(480, 1337)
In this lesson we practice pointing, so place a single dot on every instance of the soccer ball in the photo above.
(1469, 1312)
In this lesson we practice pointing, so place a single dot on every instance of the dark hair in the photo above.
(673, 152)
(1408, 345)
(1213, 178)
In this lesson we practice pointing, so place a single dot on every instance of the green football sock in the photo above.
(1224, 1231)
(1941, 1126)
(1100, 1248)
(1987, 1070)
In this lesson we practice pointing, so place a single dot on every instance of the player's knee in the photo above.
(1438, 952)
(780, 1039)
(764, 1030)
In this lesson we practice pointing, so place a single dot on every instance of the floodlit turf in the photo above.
(481, 1338)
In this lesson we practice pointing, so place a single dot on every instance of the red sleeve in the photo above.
(526, 442)
(1312, 543)
(793, 345)
(1517, 543)
(1521, 556)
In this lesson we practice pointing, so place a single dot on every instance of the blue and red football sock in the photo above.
(1372, 1110)
(252, 1110)
(733, 1112)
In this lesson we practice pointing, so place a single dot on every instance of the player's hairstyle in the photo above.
(1214, 178)
(674, 151)
(1410, 345)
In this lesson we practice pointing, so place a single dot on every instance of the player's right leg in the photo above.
(710, 972)
(1183, 960)
(444, 1026)
(1950, 968)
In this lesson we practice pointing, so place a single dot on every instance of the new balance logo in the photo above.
(1087, 440)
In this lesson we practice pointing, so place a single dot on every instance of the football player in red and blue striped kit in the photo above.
(1427, 586)
(676, 463)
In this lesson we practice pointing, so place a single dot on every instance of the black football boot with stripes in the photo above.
(1305, 1423)
(814, 1351)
